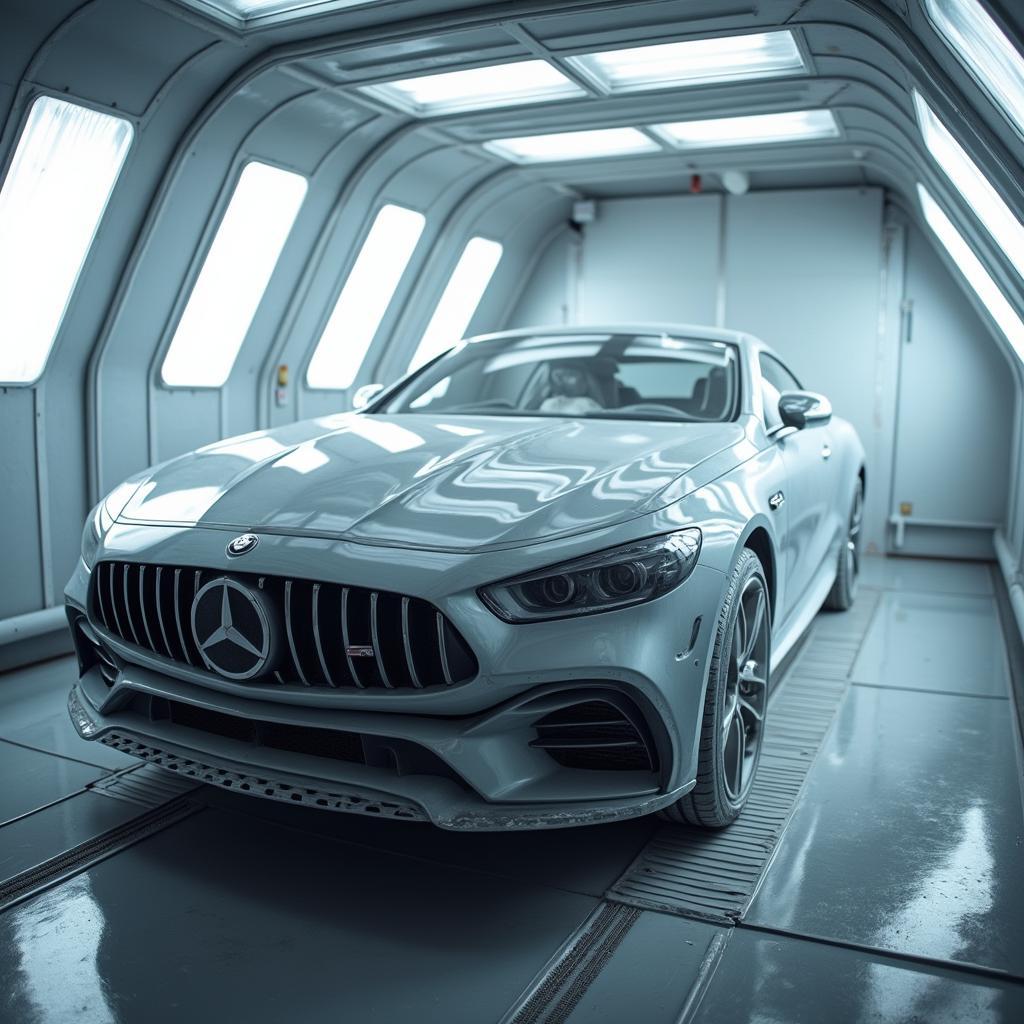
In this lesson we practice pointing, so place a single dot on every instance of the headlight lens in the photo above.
(631, 574)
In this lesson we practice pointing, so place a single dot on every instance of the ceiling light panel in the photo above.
(693, 62)
(243, 14)
(751, 129)
(587, 145)
(499, 85)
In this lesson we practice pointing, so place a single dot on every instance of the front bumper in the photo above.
(478, 769)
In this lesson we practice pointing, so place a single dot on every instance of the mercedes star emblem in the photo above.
(231, 628)
(242, 545)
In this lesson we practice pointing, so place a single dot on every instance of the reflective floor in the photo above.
(895, 893)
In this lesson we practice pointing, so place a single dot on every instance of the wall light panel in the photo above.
(365, 297)
(982, 283)
(53, 198)
(459, 300)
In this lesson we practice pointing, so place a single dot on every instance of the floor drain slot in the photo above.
(561, 986)
(59, 869)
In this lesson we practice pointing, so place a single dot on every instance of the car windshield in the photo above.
(621, 376)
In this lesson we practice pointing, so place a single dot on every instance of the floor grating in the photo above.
(712, 875)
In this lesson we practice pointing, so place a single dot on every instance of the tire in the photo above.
(844, 590)
(735, 703)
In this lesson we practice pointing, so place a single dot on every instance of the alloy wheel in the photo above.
(746, 692)
(853, 537)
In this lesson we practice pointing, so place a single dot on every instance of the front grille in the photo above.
(406, 642)
(596, 735)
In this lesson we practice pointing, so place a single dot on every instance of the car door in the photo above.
(808, 487)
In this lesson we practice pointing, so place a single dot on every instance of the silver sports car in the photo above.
(538, 582)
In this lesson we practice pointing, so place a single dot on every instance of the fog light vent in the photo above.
(92, 653)
(596, 735)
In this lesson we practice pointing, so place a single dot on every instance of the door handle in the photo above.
(826, 451)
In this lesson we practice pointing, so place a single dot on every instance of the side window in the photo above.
(775, 379)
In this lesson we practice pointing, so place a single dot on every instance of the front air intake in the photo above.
(596, 735)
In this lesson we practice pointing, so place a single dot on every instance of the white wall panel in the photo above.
(651, 259)
(20, 565)
(544, 299)
(956, 403)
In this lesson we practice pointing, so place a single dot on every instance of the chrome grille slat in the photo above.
(346, 638)
(160, 611)
(334, 635)
(316, 637)
(290, 632)
(142, 608)
(378, 653)
(113, 598)
(442, 646)
(177, 616)
(410, 661)
(100, 588)
(128, 604)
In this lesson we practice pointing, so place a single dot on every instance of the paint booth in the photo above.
(257, 219)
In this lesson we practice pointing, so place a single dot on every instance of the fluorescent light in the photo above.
(751, 129)
(242, 13)
(988, 292)
(985, 52)
(599, 142)
(365, 297)
(500, 85)
(972, 184)
(459, 300)
(693, 62)
(64, 168)
(234, 276)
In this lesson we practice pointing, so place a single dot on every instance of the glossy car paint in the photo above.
(408, 504)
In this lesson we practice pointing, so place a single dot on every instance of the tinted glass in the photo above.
(595, 376)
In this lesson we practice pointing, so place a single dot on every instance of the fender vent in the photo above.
(596, 735)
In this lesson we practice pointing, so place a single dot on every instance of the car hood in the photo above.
(456, 483)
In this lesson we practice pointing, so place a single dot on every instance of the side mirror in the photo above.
(365, 395)
(799, 409)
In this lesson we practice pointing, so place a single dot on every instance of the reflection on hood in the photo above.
(459, 482)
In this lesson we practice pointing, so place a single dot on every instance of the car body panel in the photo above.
(448, 482)
(411, 506)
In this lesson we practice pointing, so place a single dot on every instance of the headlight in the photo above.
(615, 578)
(96, 526)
